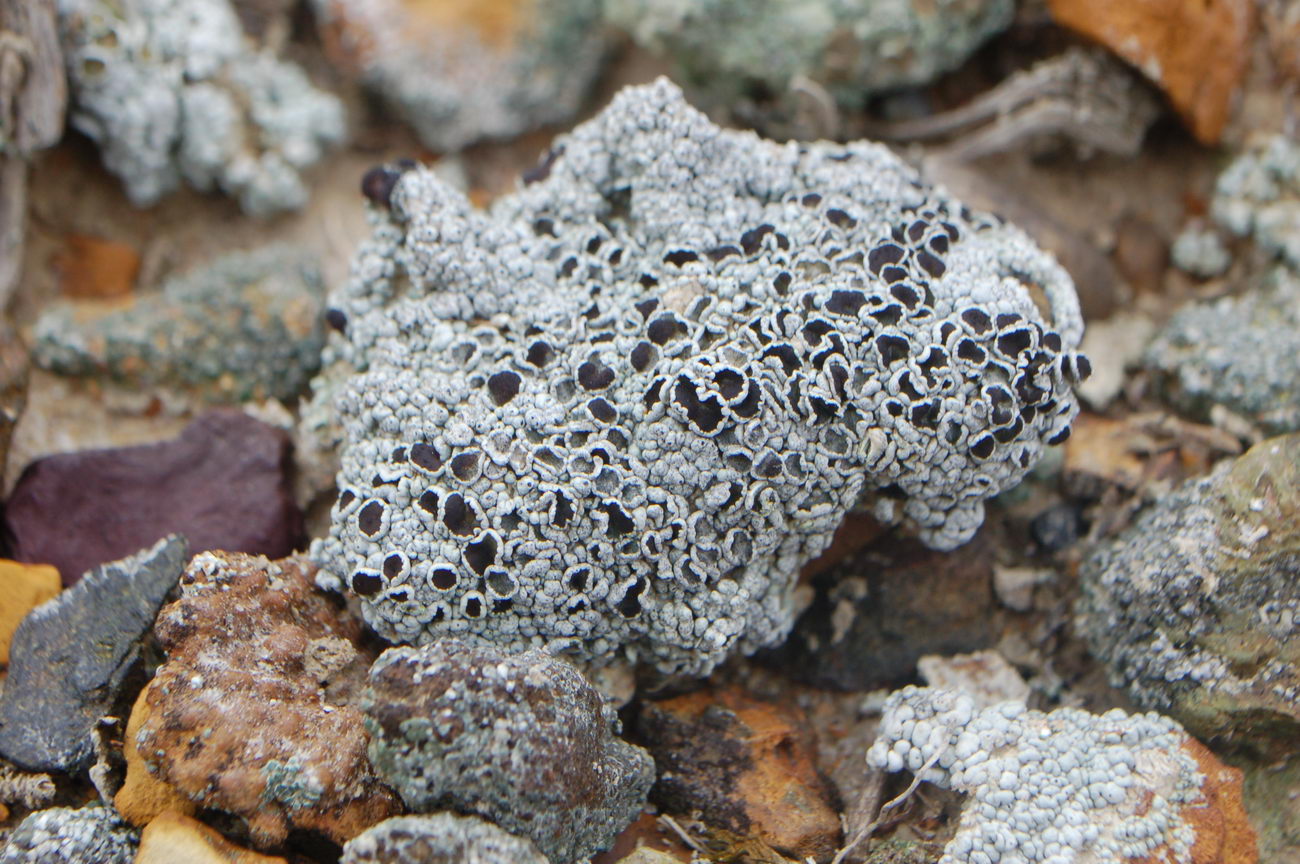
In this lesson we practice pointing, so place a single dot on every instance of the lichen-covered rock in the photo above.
(172, 90)
(64, 835)
(1067, 786)
(734, 48)
(1258, 196)
(69, 658)
(1196, 607)
(248, 326)
(462, 70)
(223, 483)
(745, 766)
(1241, 352)
(521, 739)
(1200, 251)
(439, 838)
(239, 718)
(628, 404)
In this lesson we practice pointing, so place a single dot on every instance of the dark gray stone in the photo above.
(69, 657)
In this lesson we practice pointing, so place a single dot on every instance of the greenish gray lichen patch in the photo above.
(246, 326)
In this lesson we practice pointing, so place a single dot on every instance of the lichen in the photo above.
(625, 406)
(64, 835)
(172, 90)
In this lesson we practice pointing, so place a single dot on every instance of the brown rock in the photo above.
(143, 797)
(23, 587)
(173, 837)
(1223, 831)
(224, 484)
(235, 720)
(92, 268)
(1195, 50)
(745, 765)
(879, 611)
(14, 367)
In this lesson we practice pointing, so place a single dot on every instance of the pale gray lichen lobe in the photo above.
(624, 406)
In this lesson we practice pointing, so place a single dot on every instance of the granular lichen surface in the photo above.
(624, 406)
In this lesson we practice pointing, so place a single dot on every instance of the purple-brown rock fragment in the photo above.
(521, 739)
(70, 656)
(223, 483)
(239, 716)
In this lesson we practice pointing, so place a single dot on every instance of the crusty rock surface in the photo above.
(172, 90)
(1195, 609)
(238, 717)
(64, 835)
(1067, 786)
(627, 404)
(70, 657)
(520, 739)
(246, 326)
(1241, 352)
(463, 70)
(439, 838)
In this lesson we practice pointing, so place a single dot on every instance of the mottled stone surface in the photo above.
(90, 835)
(69, 658)
(1241, 352)
(239, 718)
(745, 765)
(1195, 609)
(246, 326)
(223, 484)
(439, 838)
(521, 739)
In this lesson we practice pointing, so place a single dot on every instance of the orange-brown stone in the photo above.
(92, 268)
(23, 587)
(1197, 51)
(173, 837)
(746, 765)
(144, 796)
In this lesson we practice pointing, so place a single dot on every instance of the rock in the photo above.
(1112, 346)
(462, 70)
(92, 268)
(235, 720)
(1258, 196)
(247, 326)
(69, 658)
(1195, 609)
(1240, 352)
(520, 739)
(172, 838)
(144, 797)
(1014, 586)
(877, 613)
(984, 676)
(746, 766)
(23, 587)
(1272, 798)
(1196, 52)
(763, 51)
(13, 383)
(1141, 254)
(91, 835)
(646, 855)
(223, 483)
(1067, 786)
(440, 838)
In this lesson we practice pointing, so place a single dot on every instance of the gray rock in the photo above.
(440, 838)
(246, 326)
(1241, 352)
(1196, 608)
(90, 835)
(520, 739)
(69, 657)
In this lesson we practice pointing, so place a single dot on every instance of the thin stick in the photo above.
(681, 832)
(869, 829)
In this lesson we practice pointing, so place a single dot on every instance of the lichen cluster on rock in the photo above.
(172, 90)
(1066, 786)
(521, 739)
(627, 404)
